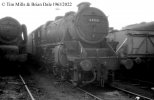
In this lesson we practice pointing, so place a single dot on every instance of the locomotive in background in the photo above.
(136, 50)
(13, 38)
(74, 46)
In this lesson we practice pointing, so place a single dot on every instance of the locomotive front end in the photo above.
(97, 65)
(97, 59)
(90, 23)
(88, 55)
(13, 38)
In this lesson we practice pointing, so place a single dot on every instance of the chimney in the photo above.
(83, 5)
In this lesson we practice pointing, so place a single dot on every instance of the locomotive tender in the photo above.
(136, 50)
(13, 38)
(74, 46)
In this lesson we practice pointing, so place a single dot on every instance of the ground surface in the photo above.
(54, 90)
(11, 88)
(45, 87)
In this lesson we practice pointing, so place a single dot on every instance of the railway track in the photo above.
(140, 89)
(26, 87)
(99, 93)
(86, 93)
(14, 88)
(90, 94)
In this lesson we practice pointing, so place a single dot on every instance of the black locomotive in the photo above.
(13, 38)
(74, 46)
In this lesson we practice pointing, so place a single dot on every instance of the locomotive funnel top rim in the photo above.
(84, 3)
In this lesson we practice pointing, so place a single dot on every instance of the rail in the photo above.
(85, 92)
(133, 89)
(30, 94)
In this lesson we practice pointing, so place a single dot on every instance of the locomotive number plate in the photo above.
(94, 20)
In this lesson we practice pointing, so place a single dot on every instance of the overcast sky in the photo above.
(120, 12)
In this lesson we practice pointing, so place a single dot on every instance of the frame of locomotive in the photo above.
(74, 47)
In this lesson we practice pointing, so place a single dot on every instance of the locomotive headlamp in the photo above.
(86, 65)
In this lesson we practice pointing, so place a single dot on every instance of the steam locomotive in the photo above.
(74, 46)
(13, 38)
(136, 50)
